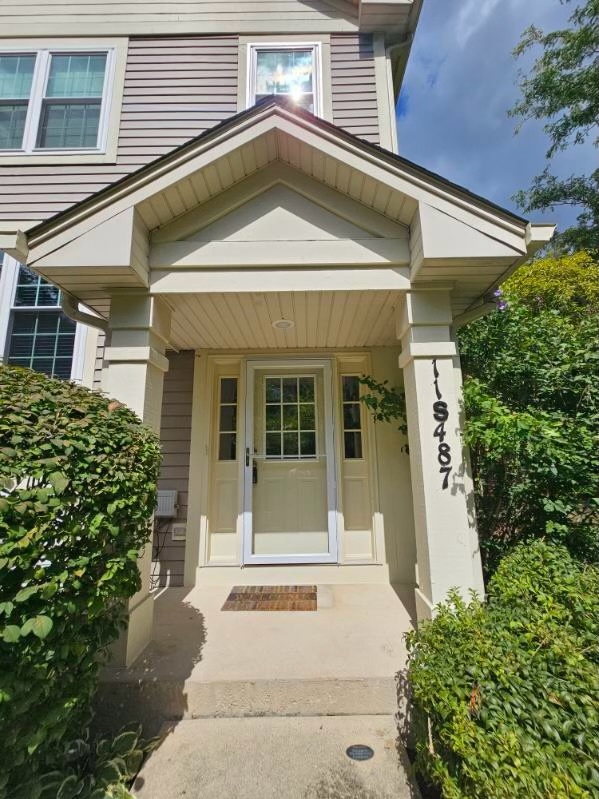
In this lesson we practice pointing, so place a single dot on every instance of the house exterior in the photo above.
(216, 190)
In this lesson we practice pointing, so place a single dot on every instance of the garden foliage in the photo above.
(532, 403)
(506, 693)
(77, 486)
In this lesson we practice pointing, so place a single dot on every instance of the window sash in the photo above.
(312, 97)
(90, 113)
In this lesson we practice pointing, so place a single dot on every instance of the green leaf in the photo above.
(59, 481)
(40, 626)
(108, 773)
(70, 788)
(25, 593)
(124, 743)
(11, 634)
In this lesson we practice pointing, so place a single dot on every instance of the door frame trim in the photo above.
(324, 364)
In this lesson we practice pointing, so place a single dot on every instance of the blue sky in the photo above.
(460, 82)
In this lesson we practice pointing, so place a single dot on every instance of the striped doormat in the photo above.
(271, 597)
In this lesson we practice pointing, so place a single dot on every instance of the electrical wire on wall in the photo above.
(161, 531)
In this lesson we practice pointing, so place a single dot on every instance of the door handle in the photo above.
(247, 456)
(254, 472)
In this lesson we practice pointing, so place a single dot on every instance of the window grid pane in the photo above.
(227, 419)
(76, 75)
(286, 72)
(69, 125)
(43, 341)
(352, 417)
(16, 77)
(290, 418)
(12, 125)
(33, 291)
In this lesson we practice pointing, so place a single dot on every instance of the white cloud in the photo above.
(460, 82)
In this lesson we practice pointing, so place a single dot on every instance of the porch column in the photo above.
(444, 517)
(139, 327)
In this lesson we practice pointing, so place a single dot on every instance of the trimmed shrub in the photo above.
(77, 486)
(506, 693)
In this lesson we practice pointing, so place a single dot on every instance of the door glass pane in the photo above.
(285, 417)
(273, 444)
(290, 445)
(286, 72)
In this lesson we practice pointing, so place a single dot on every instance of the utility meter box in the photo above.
(167, 505)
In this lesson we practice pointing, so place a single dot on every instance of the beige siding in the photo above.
(175, 89)
(354, 85)
(99, 362)
(157, 17)
(175, 435)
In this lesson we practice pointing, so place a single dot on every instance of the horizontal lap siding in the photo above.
(100, 17)
(175, 89)
(355, 106)
(175, 439)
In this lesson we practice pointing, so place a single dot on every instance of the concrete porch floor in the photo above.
(204, 662)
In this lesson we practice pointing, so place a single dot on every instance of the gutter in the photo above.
(485, 306)
(70, 306)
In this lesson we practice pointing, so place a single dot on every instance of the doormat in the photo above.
(271, 597)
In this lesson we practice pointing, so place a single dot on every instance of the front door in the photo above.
(289, 514)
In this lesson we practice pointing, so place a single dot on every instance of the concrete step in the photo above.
(277, 758)
(154, 701)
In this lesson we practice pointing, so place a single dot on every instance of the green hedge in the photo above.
(506, 693)
(77, 485)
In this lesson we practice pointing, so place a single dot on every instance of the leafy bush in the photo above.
(532, 405)
(510, 688)
(77, 478)
(97, 769)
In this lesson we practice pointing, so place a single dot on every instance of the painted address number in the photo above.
(440, 415)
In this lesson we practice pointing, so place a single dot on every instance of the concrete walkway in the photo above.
(265, 704)
(205, 662)
(276, 758)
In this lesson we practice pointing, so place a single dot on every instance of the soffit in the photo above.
(323, 319)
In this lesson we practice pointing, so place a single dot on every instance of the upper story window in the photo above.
(56, 101)
(291, 71)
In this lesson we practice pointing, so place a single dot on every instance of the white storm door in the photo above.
(289, 487)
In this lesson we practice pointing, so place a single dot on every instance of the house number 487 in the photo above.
(440, 415)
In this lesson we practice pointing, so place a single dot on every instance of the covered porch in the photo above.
(244, 283)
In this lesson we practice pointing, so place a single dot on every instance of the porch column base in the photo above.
(444, 518)
(138, 635)
(139, 328)
(424, 607)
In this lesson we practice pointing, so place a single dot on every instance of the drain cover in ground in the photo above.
(271, 597)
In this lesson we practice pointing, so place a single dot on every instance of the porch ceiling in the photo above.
(243, 321)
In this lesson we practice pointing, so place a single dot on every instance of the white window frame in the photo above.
(112, 97)
(318, 87)
(9, 279)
